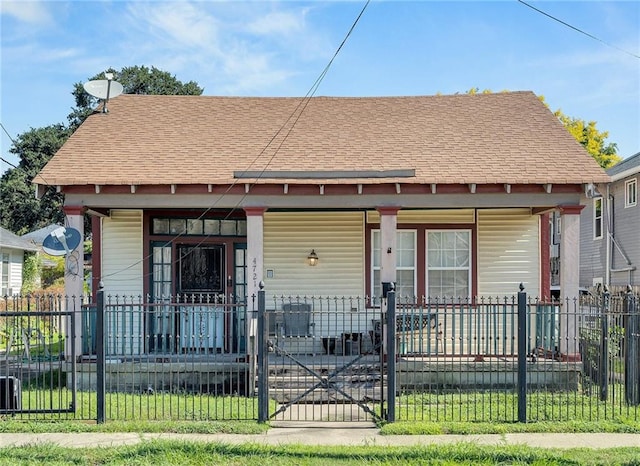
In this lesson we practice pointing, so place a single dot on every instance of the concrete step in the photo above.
(303, 381)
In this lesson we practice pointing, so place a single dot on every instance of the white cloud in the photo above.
(181, 23)
(228, 48)
(32, 12)
(285, 23)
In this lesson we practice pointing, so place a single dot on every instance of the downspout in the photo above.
(607, 263)
(630, 267)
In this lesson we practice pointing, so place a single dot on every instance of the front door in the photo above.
(200, 289)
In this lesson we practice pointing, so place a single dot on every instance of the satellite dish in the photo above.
(61, 241)
(103, 89)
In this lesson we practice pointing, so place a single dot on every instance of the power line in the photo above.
(295, 115)
(12, 141)
(578, 30)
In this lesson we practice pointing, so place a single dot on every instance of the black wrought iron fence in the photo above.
(195, 357)
(34, 347)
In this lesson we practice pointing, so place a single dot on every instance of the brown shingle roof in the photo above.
(484, 138)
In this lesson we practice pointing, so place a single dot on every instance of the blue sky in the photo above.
(264, 48)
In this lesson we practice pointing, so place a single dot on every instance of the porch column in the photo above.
(255, 252)
(569, 280)
(74, 279)
(255, 266)
(388, 228)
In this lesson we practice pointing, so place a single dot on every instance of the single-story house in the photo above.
(444, 195)
(12, 249)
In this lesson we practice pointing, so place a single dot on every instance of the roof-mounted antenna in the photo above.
(104, 89)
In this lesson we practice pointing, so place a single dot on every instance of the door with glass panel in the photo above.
(200, 290)
(161, 335)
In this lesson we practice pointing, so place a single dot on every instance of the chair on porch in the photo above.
(297, 323)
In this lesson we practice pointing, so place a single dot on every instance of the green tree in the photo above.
(593, 140)
(20, 211)
(134, 80)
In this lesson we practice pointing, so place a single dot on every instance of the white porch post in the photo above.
(255, 252)
(74, 280)
(388, 229)
(569, 280)
(255, 266)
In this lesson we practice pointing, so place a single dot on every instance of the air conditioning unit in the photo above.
(10, 394)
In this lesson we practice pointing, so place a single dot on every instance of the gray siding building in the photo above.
(610, 229)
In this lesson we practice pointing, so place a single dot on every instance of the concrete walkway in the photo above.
(328, 435)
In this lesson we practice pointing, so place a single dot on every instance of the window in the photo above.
(405, 263)
(4, 274)
(631, 193)
(449, 263)
(198, 227)
(597, 218)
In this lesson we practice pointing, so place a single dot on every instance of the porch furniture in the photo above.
(329, 345)
(351, 343)
(297, 322)
(413, 332)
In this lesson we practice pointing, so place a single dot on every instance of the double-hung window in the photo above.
(631, 193)
(405, 263)
(597, 218)
(446, 266)
(448, 263)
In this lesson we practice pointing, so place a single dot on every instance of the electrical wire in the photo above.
(294, 117)
(577, 29)
(12, 141)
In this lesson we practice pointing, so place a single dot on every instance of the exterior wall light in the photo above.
(312, 258)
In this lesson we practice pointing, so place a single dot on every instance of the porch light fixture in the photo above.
(312, 258)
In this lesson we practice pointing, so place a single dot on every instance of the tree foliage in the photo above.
(593, 140)
(20, 211)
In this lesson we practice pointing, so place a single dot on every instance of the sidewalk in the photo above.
(328, 435)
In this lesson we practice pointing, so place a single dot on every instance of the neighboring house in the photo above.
(12, 252)
(444, 195)
(610, 229)
(37, 237)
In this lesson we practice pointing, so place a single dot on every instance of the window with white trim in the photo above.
(405, 263)
(448, 263)
(631, 193)
(4, 274)
(597, 218)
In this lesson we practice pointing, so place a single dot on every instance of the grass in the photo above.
(157, 406)
(476, 428)
(190, 453)
(496, 406)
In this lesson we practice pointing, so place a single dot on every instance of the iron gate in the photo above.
(35, 376)
(322, 361)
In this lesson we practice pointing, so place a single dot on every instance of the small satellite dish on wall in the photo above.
(61, 241)
(104, 89)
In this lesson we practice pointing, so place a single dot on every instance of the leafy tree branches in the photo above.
(20, 211)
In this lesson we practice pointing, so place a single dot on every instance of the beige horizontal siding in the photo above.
(428, 216)
(337, 238)
(508, 251)
(122, 275)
